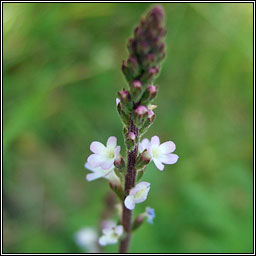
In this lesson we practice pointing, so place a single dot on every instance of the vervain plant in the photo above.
(134, 105)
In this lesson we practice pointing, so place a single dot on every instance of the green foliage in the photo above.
(62, 68)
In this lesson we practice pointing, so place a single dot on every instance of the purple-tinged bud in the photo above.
(130, 141)
(140, 115)
(152, 90)
(131, 136)
(133, 66)
(137, 84)
(143, 47)
(141, 111)
(143, 159)
(151, 116)
(125, 99)
(131, 46)
(153, 71)
(148, 122)
(119, 162)
(149, 60)
(124, 117)
(155, 16)
(148, 76)
(136, 90)
(126, 71)
(149, 94)
(146, 47)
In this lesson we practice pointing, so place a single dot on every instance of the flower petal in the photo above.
(143, 185)
(88, 167)
(97, 147)
(117, 101)
(158, 164)
(143, 145)
(129, 202)
(169, 159)
(118, 148)
(93, 176)
(107, 164)
(167, 147)
(111, 176)
(111, 142)
(134, 190)
(103, 240)
(95, 160)
(142, 195)
(155, 141)
(108, 230)
(119, 230)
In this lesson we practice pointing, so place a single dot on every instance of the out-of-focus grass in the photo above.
(61, 74)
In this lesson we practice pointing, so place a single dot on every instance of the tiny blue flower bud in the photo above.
(150, 214)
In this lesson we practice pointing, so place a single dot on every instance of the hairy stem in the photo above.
(129, 183)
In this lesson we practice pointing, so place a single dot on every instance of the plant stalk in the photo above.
(129, 183)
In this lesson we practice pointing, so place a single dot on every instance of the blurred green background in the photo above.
(61, 74)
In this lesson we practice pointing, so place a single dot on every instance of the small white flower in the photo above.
(138, 194)
(98, 172)
(104, 157)
(111, 235)
(162, 153)
(86, 238)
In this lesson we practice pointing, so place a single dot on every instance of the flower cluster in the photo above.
(134, 105)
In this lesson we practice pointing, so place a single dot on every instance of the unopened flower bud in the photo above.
(149, 60)
(140, 114)
(143, 159)
(133, 66)
(141, 111)
(130, 141)
(124, 117)
(131, 136)
(126, 71)
(143, 47)
(119, 162)
(131, 46)
(136, 90)
(125, 99)
(149, 75)
(149, 94)
(151, 115)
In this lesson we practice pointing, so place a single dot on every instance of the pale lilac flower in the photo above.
(150, 214)
(98, 172)
(161, 154)
(138, 194)
(104, 157)
(86, 239)
(143, 145)
(111, 235)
